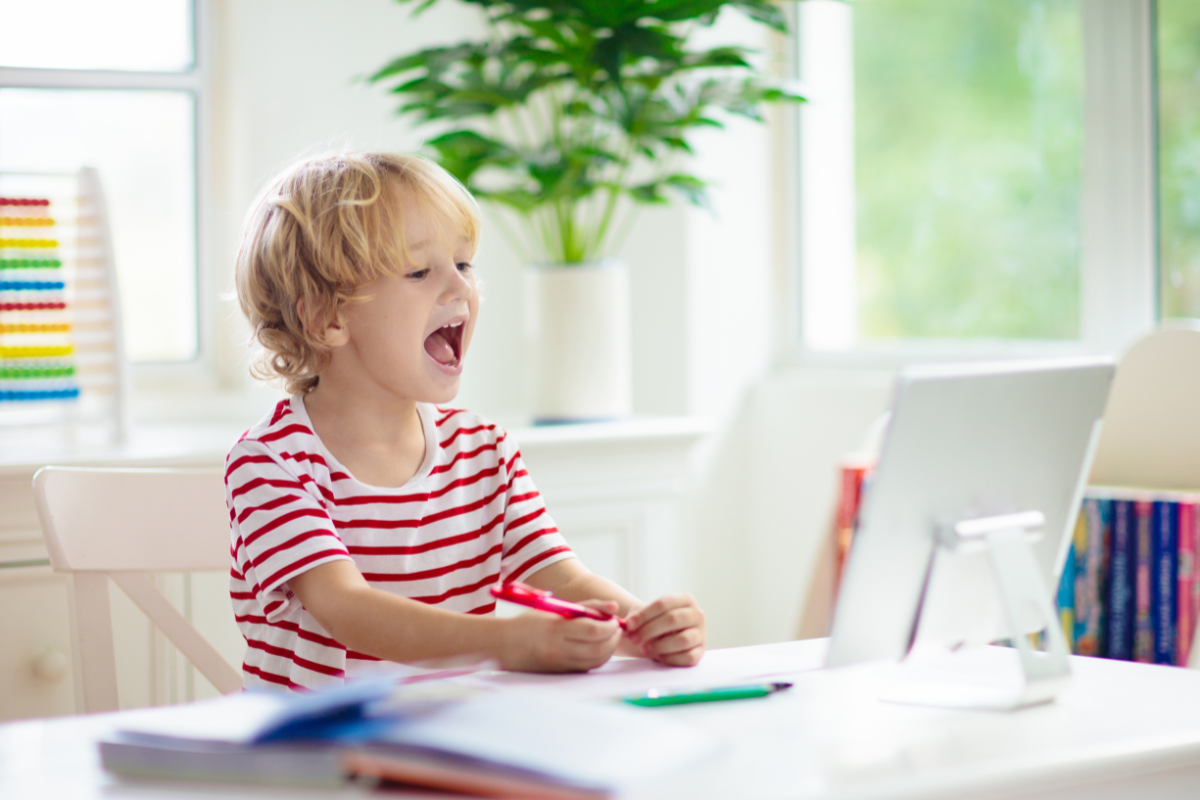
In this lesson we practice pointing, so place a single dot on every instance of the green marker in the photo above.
(656, 697)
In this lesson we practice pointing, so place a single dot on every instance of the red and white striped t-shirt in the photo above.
(470, 517)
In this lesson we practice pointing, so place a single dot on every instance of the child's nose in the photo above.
(459, 285)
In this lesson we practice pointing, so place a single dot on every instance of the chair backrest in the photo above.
(1151, 435)
(120, 524)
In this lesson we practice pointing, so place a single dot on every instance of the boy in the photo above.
(368, 523)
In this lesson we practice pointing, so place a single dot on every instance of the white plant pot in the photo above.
(577, 341)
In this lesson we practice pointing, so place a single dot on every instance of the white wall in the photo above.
(283, 75)
(705, 287)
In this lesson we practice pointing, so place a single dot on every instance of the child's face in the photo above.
(410, 338)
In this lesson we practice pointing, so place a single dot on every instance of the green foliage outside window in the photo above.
(1179, 156)
(969, 148)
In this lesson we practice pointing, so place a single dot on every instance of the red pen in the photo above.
(525, 595)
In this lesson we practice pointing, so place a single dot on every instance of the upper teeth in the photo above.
(452, 325)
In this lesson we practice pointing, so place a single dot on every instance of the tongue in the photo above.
(439, 348)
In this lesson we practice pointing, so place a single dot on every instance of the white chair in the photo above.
(1151, 435)
(121, 524)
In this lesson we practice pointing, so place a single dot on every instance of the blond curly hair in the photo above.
(321, 229)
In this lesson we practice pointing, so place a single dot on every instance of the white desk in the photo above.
(1122, 730)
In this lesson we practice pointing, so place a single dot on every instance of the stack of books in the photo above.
(517, 743)
(1129, 587)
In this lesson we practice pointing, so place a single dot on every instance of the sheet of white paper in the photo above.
(235, 718)
(622, 677)
(599, 744)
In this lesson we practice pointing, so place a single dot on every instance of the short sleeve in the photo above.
(279, 528)
(531, 539)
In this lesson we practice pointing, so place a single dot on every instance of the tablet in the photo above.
(965, 443)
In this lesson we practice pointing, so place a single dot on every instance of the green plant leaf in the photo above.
(717, 57)
(569, 105)
(690, 187)
(763, 11)
(679, 10)
(465, 152)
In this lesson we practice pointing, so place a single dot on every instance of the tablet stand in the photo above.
(1008, 540)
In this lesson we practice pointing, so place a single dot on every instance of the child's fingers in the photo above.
(656, 609)
(588, 644)
(667, 623)
(675, 644)
(584, 630)
(590, 655)
(688, 658)
(607, 606)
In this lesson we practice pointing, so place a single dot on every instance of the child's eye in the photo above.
(463, 266)
(418, 274)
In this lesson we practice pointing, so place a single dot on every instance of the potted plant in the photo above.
(568, 117)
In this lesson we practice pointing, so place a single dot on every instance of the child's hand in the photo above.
(670, 630)
(538, 642)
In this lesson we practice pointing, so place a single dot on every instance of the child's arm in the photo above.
(670, 630)
(398, 629)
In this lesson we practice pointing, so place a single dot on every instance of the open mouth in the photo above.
(445, 344)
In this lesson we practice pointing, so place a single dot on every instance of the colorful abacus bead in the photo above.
(23, 201)
(30, 263)
(27, 395)
(32, 244)
(31, 286)
(27, 222)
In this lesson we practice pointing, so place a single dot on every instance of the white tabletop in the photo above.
(1120, 730)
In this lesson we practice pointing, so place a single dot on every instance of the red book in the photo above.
(1186, 577)
(852, 474)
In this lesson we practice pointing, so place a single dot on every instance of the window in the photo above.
(977, 177)
(1179, 155)
(968, 122)
(115, 86)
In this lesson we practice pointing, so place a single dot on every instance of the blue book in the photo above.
(1164, 580)
(1120, 582)
(1066, 599)
(1143, 582)
(1104, 571)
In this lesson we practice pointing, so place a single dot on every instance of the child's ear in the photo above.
(336, 333)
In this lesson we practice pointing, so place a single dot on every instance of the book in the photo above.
(1163, 601)
(1082, 600)
(1185, 577)
(1121, 565)
(1090, 580)
(1143, 623)
(852, 476)
(512, 744)
(1066, 599)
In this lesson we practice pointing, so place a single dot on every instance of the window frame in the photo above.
(199, 369)
(1119, 289)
